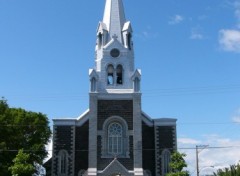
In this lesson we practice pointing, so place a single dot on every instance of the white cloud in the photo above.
(236, 117)
(229, 40)
(148, 33)
(196, 33)
(237, 12)
(237, 9)
(176, 19)
(196, 36)
(221, 153)
(188, 141)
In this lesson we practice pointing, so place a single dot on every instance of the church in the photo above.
(114, 137)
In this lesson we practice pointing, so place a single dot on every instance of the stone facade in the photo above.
(114, 136)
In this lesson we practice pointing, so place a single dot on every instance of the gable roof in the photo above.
(115, 167)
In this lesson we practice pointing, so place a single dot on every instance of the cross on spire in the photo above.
(114, 17)
(115, 37)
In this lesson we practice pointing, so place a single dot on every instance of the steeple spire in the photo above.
(114, 18)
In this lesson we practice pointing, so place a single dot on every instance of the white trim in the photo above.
(64, 122)
(115, 162)
(165, 122)
(83, 115)
(92, 171)
(72, 121)
(117, 96)
(83, 118)
(138, 171)
(147, 119)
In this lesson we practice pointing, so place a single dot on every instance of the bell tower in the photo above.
(114, 71)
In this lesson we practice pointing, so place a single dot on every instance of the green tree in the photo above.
(233, 170)
(177, 165)
(21, 129)
(22, 166)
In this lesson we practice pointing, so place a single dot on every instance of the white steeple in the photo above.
(114, 18)
(114, 71)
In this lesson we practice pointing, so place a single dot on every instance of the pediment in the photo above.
(127, 27)
(114, 43)
(101, 27)
(93, 74)
(115, 167)
(137, 74)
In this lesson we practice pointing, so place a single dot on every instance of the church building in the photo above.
(114, 136)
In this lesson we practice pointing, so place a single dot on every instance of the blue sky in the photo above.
(189, 53)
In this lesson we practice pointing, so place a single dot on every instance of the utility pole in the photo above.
(197, 164)
(202, 147)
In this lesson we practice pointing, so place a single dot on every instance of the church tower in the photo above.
(115, 98)
(114, 136)
(114, 71)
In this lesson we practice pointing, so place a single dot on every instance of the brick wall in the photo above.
(148, 146)
(165, 139)
(62, 141)
(122, 108)
(81, 147)
(106, 109)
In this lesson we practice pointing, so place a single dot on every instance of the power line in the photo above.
(186, 123)
(147, 92)
(131, 149)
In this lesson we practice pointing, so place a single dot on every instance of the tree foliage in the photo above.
(21, 129)
(177, 165)
(233, 170)
(22, 165)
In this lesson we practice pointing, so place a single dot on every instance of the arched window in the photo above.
(115, 138)
(119, 74)
(136, 84)
(93, 85)
(166, 158)
(115, 134)
(110, 73)
(63, 163)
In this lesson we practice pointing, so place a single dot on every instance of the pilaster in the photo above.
(157, 151)
(53, 153)
(92, 154)
(137, 134)
(72, 166)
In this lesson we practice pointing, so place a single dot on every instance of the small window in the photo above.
(115, 53)
(136, 85)
(119, 74)
(100, 40)
(110, 73)
(166, 158)
(129, 40)
(93, 85)
(63, 162)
